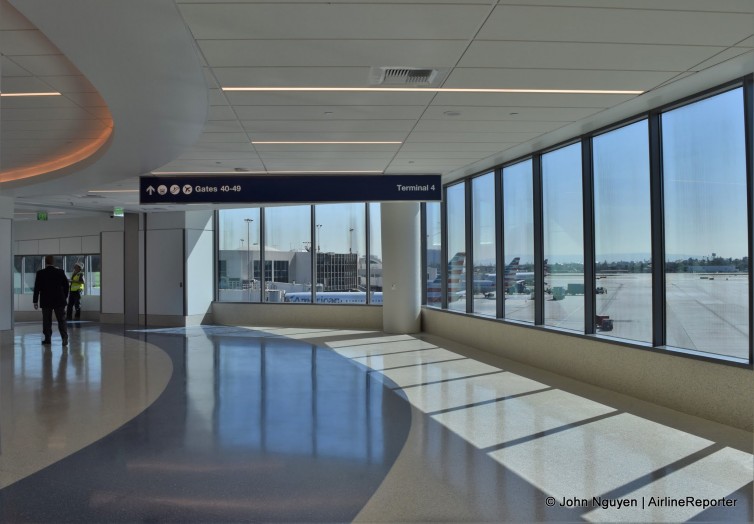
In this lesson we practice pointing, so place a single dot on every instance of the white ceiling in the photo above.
(667, 48)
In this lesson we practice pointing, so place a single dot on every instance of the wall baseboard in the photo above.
(298, 315)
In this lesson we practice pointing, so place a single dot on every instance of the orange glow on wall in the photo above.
(61, 161)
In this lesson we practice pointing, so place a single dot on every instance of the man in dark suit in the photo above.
(52, 285)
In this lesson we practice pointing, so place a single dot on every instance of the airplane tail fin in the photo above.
(456, 264)
(513, 265)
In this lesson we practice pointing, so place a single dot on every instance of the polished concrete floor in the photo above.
(229, 424)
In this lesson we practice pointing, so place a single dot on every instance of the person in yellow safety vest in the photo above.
(74, 295)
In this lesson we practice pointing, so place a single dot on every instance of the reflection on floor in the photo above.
(216, 423)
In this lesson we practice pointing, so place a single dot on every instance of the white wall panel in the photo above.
(65, 227)
(71, 245)
(28, 247)
(164, 271)
(113, 274)
(90, 244)
(199, 220)
(49, 246)
(173, 220)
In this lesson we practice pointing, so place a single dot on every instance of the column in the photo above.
(6, 263)
(401, 267)
(132, 263)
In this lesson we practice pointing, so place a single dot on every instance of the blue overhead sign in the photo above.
(275, 189)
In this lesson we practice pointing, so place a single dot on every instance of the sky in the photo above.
(343, 228)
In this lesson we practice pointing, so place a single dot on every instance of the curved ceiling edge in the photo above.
(59, 165)
(142, 59)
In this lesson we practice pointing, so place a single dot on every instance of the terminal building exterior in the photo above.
(564, 335)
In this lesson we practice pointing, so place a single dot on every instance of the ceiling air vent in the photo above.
(402, 76)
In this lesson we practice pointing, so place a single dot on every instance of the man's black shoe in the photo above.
(47, 342)
(65, 342)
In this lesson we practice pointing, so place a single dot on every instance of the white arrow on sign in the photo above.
(150, 190)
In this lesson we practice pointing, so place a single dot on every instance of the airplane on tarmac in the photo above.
(528, 276)
(510, 278)
(456, 272)
(517, 278)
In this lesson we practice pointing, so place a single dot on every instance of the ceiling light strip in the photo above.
(437, 90)
(51, 93)
(35, 213)
(113, 191)
(333, 142)
(305, 172)
(208, 172)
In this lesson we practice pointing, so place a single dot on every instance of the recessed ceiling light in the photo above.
(452, 113)
(324, 142)
(438, 90)
(51, 93)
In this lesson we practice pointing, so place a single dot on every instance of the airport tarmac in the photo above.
(705, 312)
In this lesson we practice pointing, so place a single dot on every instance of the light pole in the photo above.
(248, 251)
(319, 228)
(350, 240)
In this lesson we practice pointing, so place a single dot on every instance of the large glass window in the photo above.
(706, 235)
(563, 238)
(18, 272)
(703, 203)
(239, 279)
(623, 241)
(25, 269)
(456, 209)
(375, 254)
(288, 242)
(483, 244)
(518, 249)
(434, 254)
(93, 271)
(341, 241)
(282, 271)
